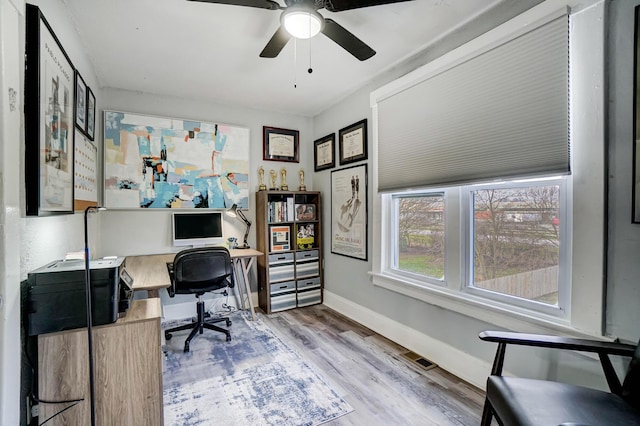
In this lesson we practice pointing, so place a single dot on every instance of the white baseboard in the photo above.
(461, 364)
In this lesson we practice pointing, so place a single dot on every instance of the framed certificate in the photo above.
(324, 153)
(281, 144)
(353, 142)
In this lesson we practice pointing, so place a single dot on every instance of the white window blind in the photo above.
(501, 114)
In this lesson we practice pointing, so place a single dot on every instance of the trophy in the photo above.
(302, 185)
(283, 180)
(262, 186)
(273, 175)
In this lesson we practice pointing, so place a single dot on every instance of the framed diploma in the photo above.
(324, 153)
(353, 142)
(281, 144)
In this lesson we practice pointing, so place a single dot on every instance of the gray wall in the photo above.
(623, 276)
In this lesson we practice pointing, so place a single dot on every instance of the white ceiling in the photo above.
(210, 52)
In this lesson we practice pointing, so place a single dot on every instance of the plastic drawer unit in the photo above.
(307, 264)
(283, 296)
(309, 292)
(281, 267)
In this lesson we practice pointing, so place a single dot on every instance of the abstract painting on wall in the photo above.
(157, 162)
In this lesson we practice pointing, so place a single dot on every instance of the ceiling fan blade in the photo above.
(276, 44)
(340, 5)
(348, 41)
(261, 4)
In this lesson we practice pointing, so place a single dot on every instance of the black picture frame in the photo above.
(91, 114)
(353, 142)
(635, 195)
(324, 153)
(349, 212)
(280, 144)
(49, 120)
(81, 103)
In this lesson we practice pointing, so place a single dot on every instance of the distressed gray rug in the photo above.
(255, 379)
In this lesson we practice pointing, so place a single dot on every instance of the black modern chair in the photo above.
(197, 271)
(521, 401)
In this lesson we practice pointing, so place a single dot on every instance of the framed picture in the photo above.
(91, 114)
(49, 120)
(349, 212)
(281, 144)
(85, 173)
(280, 238)
(199, 164)
(81, 103)
(324, 153)
(353, 142)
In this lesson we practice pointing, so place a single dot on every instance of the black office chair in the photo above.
(520, 401)
(197, 271)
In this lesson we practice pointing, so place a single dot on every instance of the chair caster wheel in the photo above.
(186, 348)
(229, 323)
(228, 338)
(168, 336)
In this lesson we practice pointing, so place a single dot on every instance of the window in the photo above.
(515, 240)
(510, 242)
(419, 244)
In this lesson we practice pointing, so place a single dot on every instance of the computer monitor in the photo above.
(197, 228)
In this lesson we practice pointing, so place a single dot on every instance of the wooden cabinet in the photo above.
(289, 232)
(127, 370)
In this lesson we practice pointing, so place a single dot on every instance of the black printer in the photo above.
(56, 296)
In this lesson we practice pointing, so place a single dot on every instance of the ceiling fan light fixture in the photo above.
(302, 23)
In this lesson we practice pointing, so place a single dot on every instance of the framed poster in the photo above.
(324, 153)
(349, 212)
(49, 120)
(81, 103)
(85, 173)
(353, 142)
(161, 162)
(280, 238)
(91, 114)
(280, 144)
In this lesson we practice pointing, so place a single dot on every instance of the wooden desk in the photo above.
(149, 272)
(127, 366)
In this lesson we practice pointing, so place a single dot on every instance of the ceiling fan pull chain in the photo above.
(295, 62)
(310, 70)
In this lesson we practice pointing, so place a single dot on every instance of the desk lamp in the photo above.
(87, 283)
(234, 212)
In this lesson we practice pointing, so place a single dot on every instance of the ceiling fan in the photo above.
(300, 19)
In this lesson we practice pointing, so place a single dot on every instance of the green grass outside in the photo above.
(431, 266)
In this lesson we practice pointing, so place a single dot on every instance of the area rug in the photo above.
(255, 379)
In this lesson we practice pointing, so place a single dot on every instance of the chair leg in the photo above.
(487, 414)
(198, 326)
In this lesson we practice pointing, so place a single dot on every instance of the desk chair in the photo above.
(197, 271)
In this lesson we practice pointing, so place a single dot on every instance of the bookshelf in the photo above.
(289, 232)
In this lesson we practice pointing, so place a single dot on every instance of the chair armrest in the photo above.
(603, 349)
(557, 342)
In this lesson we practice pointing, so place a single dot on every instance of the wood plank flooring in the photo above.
(370, 373)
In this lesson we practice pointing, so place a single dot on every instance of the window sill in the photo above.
(492, 312)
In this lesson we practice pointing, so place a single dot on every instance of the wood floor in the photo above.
(370, 373)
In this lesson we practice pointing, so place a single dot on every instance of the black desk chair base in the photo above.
(199, 325)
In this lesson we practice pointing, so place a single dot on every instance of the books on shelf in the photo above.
(305, 236)
(305, 212)
(281, 211)
(279, 238)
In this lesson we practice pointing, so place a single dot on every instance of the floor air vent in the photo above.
(422, 362)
